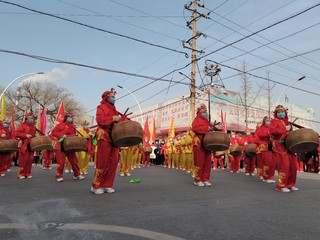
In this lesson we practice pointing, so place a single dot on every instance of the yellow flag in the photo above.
(171, 129)
(3, 109)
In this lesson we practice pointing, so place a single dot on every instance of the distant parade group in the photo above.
(116, 140)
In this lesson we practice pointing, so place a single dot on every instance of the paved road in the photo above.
(165, 205)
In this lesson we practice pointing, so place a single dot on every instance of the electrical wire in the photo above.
(95, 28)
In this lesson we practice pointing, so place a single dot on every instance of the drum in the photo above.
(216, 141)
(40, 143)
(236, 150)
(8, 146)
(251, 150)
(302, 140)
(147, 150)
(126, 134)
(75, 144)
(219, 153)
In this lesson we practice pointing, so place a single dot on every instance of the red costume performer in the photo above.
(47, 157)
(107, 153)
(265, 149)
(248, 160)
(217, 159)
(234, 160)
(146, 156)
(286, 163)
(25, 132)
(61, 131)
(202, 157)
(5, 158)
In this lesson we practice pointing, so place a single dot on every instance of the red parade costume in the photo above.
(249, 161)
(234, 160)
(5, 158)
(60, 131)
(25, 132)
(264, 149)
(286, 163)
(202, 157)
(107, 153)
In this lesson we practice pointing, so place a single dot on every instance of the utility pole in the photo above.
(192, 7)
(193, 59)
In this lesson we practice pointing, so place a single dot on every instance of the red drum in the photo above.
(75, 144)
(216, 141)
(219, 153)
(126, 134)
(9, 145)
(236, 150)
(40, 143)
(147, 150)
(302, 140)
(251, 150)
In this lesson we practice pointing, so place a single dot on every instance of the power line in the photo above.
(261, 30)
(95, 28)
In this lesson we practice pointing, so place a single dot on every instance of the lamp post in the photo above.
(288, 86)
(16, 79)
(134, 99)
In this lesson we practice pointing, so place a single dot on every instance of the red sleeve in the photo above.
(104, 116)
(58, 131)
(200, 125)
(21, 131)
(277, 128)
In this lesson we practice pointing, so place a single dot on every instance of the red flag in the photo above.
(153, 134)
(60, 116)
(39, 119)
(12, 118)
(25, 113)
(223, 121)
(146, 131)
(44, 121)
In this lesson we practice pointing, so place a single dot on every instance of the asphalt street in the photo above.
(165, 205)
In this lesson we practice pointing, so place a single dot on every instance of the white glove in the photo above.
(288, 128)
(116, 118)
(3, 135)
(28, 136)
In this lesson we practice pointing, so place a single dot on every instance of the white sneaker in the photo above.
(66, 171)
(199, 184)
(207, 184)
(59, 179)
(128, 174)
(29, 177)
(284, 190)
(22, 177)
(9, 170)
(270, 181)
(108, 190)
(44, 168)
(294, 188)
(85, 173)
(2, 175)
(122, 175)
(80, 177)
(97, 190)
(247, 174)
(252, 174)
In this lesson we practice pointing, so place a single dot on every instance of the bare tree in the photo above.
(246, 92)
(44, 94)
(268, 88)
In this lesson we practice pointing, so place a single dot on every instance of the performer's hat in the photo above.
(111, 93)
(202, 108)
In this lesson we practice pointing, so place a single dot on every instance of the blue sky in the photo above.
(288, 50)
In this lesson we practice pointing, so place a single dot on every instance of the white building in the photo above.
(221, 99)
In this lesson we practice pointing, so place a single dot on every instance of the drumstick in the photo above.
(126, 111)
